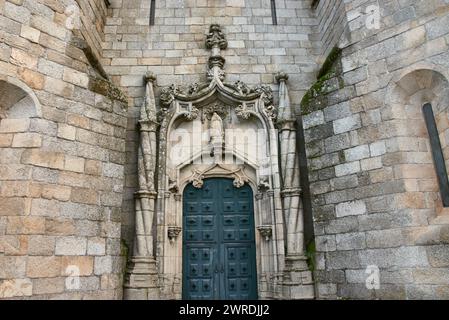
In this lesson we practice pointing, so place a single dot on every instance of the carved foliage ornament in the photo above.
(239, 175)
(244, 112)
(173, 233)
(192, 114)
(219, 108)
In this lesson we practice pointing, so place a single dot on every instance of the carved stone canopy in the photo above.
(216, 170)
(236, 92)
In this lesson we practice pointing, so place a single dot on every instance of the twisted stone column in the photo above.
(297, 277)
(142, 280)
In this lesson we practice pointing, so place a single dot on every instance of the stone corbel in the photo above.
(172, 186)
(266, 232)
(173, 233)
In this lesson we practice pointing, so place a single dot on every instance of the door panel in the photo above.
(219, 251)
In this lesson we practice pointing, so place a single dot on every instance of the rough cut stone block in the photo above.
(96, 246)
(22, 58)
(43, 267)
(347, 168)
(16, 288)
(71, 246)
(377, 148)
(350, 208)
(59, 226)
(395, 257)
(39, 245)
(371, 163)
(25, 225)
(103, 265)
(357, 153)
(18, 12)
(74, 164)
(14, 125)
(66, 131)
(313, 119)
(347, 124)
(325, 243)
(438, 255)
(83, 265)
(41, 158)
(27, 140)
(12, 267)
(48, 285)
(34, 79)
(343, 260)
(113, 170)
(431, 276)
(48, 26)
(351, 241)
(384, 238)
(30, 33)
(75, 77)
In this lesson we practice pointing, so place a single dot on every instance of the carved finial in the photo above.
(281, 77)
(216, 38)
(285, 108)
(149, 76)
(148, 110)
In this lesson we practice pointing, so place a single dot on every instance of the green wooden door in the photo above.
(219, 254)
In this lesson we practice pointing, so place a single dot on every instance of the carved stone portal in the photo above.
(218, 129)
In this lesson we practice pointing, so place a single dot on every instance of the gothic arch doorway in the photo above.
(219, 249)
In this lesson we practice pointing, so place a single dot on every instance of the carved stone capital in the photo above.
(264, 184)
(149, 194)
(290, 192)
(149, 77)
(281, 77)
(148, 125)
(265, 231)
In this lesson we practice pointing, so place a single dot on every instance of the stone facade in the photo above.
(62, 157)
(375, 193)
(72, 89)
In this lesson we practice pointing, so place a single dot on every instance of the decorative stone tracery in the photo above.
(221, 113)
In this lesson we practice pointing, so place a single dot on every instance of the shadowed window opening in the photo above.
(152, 12)
(273, 12)
(437, 153)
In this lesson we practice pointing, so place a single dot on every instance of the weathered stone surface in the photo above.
(351, 241)
(46, 159)
(76, 246)
(43, 267)
(350, 208)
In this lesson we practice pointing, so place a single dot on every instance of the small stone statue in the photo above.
(216, 130)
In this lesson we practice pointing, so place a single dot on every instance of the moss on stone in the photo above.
(310, 254)
(328, 71)
(329, 62)
(124, 249)
(107, 89)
